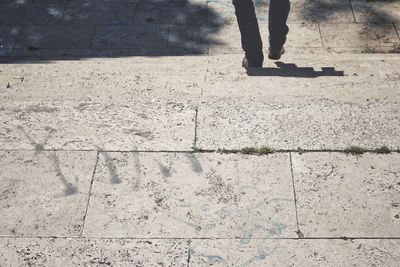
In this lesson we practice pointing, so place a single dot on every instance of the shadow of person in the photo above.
(292, 70)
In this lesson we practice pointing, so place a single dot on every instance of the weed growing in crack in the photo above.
(354, 150)
(196, 149)
(257, 151)
(249, 150)
(300, 150)
(382, 150)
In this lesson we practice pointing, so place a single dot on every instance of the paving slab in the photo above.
(222, 12)
(55, 37)
(140, 125)
(344, 102)
(302, 11)
(194, 37)
(8, 37)
(390, 49)
(149, 36)
(376, 11)
(41, 56)
(21, 3)
(359, 35)
(44, 193)
(119, 13)
(104, 80)
(296, 78)
(92, 252)
(172, 13)
(321, 11)
(314, 125)
(31, 14)
(191, 196)
(344, 86)
(341, 195)
(228, 37)
(301, 35)
(266, 252)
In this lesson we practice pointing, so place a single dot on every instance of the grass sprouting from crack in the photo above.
(248, 151)
(226, 151)
(196, 149)
(264, 150)
(300, 150)
(354, 150)
(382, 150)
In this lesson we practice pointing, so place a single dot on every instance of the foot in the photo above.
(275, 53)
(247, 64)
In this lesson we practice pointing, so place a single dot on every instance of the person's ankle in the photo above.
(275, 53)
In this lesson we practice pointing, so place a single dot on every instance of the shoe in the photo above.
(246, 64)
(275, 54)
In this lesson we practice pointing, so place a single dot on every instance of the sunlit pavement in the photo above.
(131, 136)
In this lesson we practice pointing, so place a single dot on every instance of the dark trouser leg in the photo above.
(278, 29)
(250, 33)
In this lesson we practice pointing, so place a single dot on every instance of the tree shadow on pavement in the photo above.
(372, 11)
(53, 29)
(292, 70)
(376, 30)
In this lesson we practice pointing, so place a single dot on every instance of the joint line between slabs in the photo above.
(229, 151)
(89, 194)
(196, 127)
(397, 30)
(320, 35)
(294, 196)
(189, 249)
(352, 11)
(196, 238)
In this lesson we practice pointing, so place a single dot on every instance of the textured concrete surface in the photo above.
(150, 36)
(191, 195)
(55, 37)
(376, 11)
(8, 36)
(151, 106)
(92, 252)
(311, 125)
(323, 103)
(44, 193)
(359, 35)
(106, 105)
(141, 125)
(297, 78)
(99, 80)
(267, 252)
(339, 195)
(329, 11)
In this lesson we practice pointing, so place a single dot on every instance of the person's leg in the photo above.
(278, 29)
(250, 33)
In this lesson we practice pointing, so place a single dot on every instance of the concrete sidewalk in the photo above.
(96, 28)
(131, 136)
(128, 162)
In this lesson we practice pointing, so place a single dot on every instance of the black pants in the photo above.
(248, 26)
